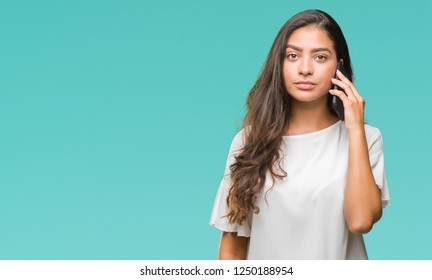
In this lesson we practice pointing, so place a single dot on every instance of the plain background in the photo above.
(116, 119)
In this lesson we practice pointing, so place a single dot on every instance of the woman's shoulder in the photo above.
(239, 139)
(372, 132)
(373, 138)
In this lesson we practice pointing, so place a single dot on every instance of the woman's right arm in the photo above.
(233, 247)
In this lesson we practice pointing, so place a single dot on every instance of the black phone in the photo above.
(336, 103)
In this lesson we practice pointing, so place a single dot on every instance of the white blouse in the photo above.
(301, 217)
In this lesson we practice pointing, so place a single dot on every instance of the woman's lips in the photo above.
(305, 85)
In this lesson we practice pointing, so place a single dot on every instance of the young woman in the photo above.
(300, 183)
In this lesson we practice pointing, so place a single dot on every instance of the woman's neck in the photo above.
(307, 119)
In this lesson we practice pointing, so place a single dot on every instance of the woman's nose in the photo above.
(306, 67)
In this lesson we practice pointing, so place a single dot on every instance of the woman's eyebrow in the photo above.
(294, 47)
(313, 50)
(321, 50)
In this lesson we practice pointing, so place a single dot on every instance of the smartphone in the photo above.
(336, 103)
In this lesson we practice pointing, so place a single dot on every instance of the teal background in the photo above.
(116, 119)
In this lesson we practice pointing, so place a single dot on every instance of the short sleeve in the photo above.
(376, 157)
(220, 208)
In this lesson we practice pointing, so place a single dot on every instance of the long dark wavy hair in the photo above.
(268, 114)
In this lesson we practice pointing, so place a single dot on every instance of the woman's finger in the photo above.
(345, 80)
(346, 88)
(341, 95)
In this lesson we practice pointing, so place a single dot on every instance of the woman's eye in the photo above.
(321, 57)
(292, 56)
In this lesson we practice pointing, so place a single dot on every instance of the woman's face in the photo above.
(309, 64)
